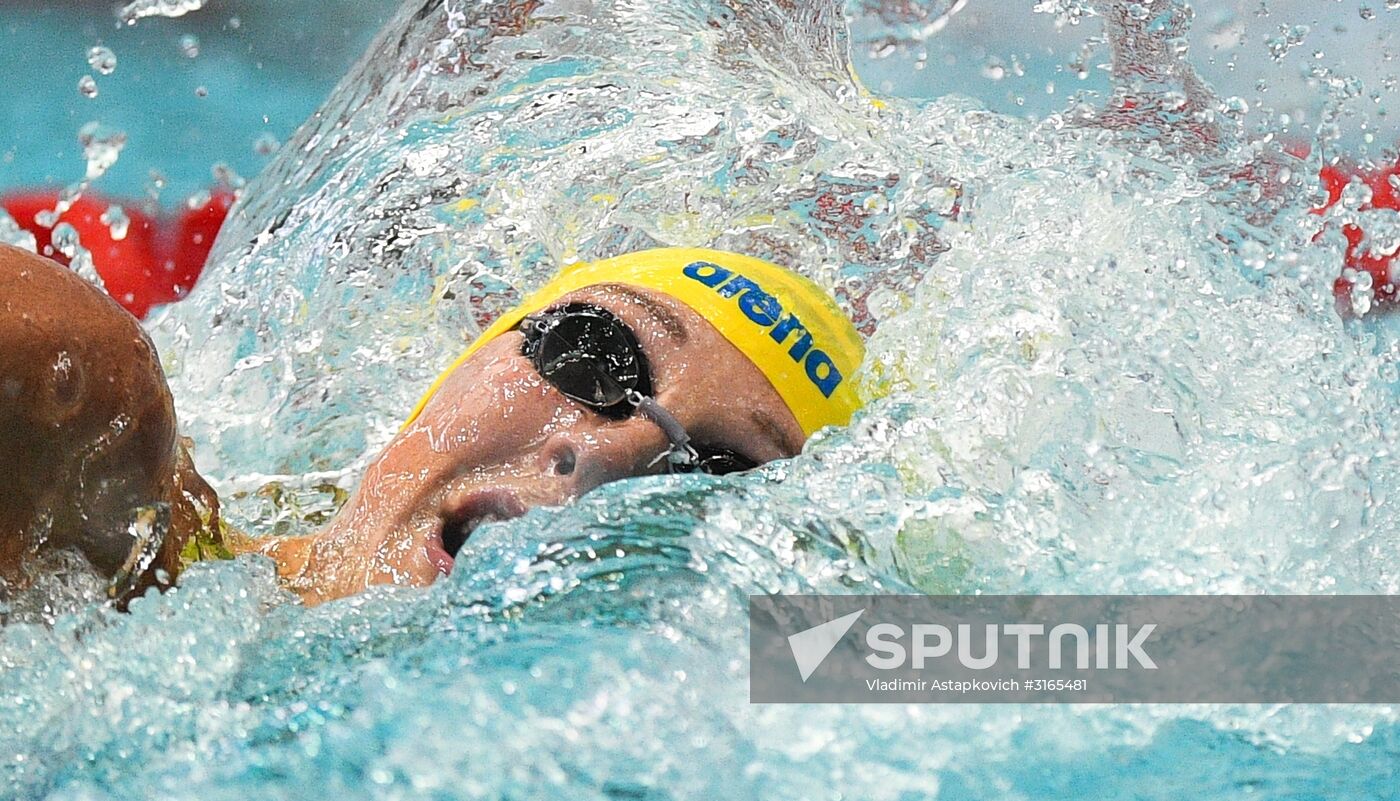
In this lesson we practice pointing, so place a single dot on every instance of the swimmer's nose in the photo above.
(585, 460)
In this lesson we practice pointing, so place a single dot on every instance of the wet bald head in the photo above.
(87, 423)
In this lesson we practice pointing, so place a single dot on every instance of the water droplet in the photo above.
(12, 234)
(1254, 256)
(1234, 106)
(1290, 36)
(884, 48)
(101, 147)
(189, 45)
(266, 144)
(102, 59)
(83, 266)
(155, 183)
(65, 240)
(117, 222)
(87, 87)
(1355, 195)
(224, 175)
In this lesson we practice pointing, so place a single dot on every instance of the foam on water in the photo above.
(1105, 359)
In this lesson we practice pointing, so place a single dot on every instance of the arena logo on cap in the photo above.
(763, 310)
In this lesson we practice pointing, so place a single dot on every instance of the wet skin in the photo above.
(88, 436)
(497, 439)
(87, 425)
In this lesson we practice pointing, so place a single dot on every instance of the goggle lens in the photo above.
(591, 356)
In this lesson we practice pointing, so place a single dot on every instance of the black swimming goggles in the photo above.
(594, 358)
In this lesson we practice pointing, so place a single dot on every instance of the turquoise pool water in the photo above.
(1107, 359)
(219, 87)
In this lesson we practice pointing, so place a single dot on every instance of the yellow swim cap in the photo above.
(789, 327)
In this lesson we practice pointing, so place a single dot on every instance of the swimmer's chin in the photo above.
(361, 548)
(340, 561)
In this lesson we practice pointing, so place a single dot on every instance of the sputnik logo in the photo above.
(811, 647)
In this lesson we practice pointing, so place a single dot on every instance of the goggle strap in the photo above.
(680, 452)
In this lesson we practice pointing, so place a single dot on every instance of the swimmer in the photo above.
(671, 360)
(89, 452)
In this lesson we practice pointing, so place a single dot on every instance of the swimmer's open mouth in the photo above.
(460, 519)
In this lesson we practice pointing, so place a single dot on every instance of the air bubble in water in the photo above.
(140, 9)
(87, 87)
(102, 59)
(189, 45)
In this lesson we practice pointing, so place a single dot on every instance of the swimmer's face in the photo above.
(497, 439)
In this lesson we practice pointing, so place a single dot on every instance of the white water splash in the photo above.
(140, 9)
(12, 234)
(1119, 371)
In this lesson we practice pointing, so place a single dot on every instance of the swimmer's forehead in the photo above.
(655, 311)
